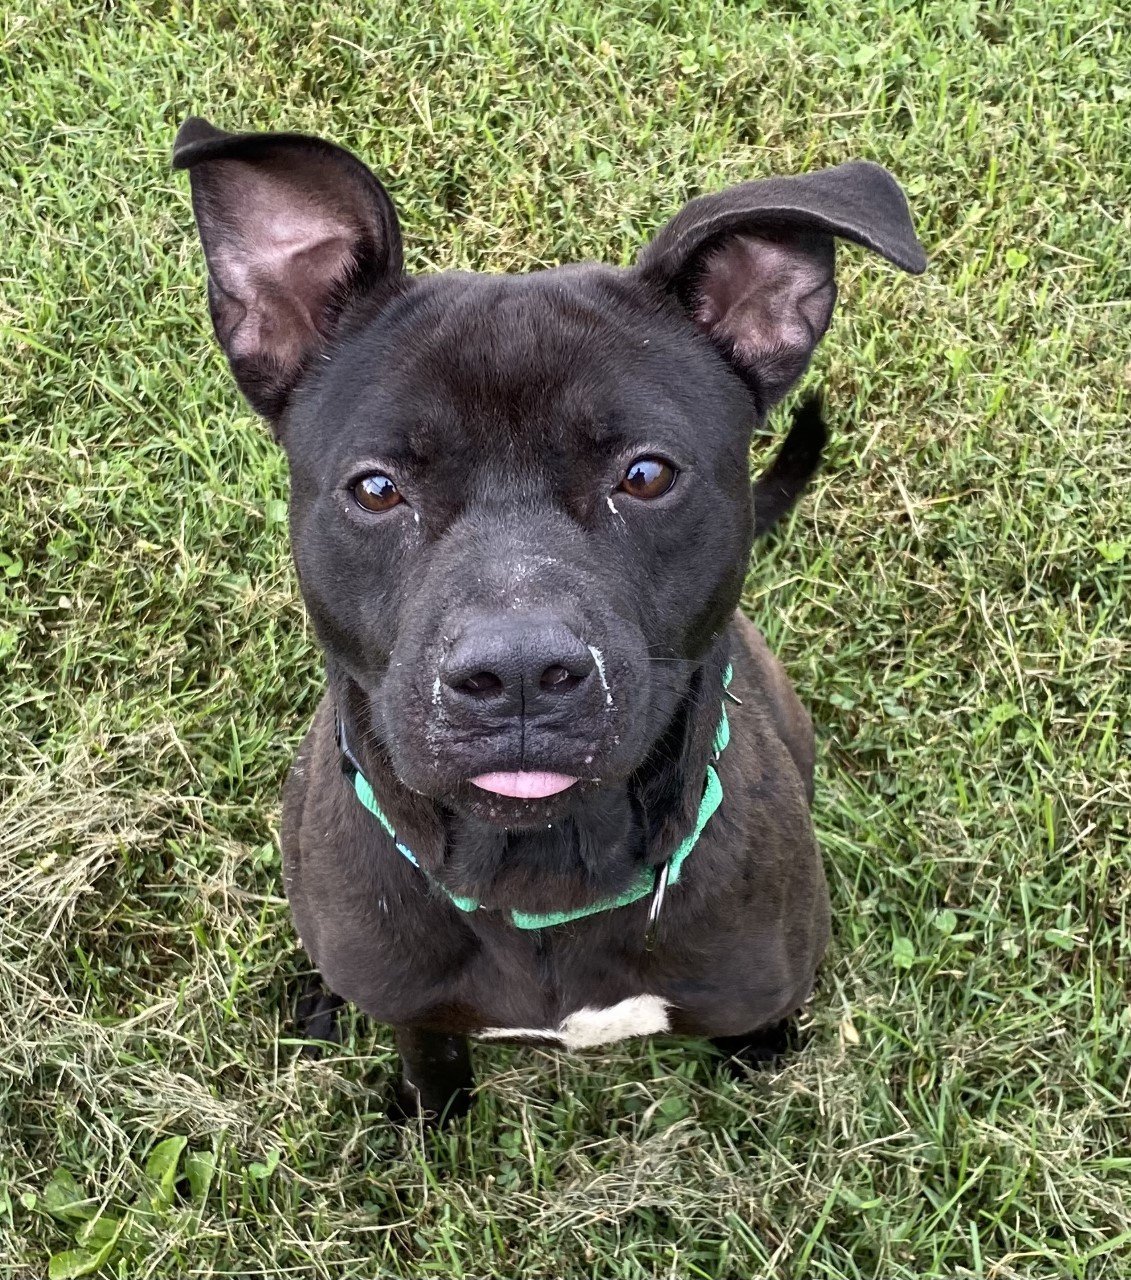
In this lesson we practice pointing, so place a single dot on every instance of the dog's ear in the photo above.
(294, 230)
(753, 265)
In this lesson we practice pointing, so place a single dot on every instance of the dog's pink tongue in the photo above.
(524, 786)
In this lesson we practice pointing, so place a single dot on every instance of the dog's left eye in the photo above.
(376, 493)
(648, 478)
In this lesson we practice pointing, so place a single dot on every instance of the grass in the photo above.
(951, 600)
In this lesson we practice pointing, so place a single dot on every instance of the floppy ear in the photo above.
(294, 230)
(753, 265)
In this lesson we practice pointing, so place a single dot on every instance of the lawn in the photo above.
(951, 600)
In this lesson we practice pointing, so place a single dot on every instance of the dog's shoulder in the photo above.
(765, 677)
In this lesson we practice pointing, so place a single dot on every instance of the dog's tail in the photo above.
(778, 487)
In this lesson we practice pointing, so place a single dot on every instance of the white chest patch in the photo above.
(588, 1028)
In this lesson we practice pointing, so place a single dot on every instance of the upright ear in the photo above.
(753, 266)
(294, 230)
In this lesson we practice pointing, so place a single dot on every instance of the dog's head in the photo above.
(520, 506)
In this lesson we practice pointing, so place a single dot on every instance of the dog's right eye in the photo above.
(376, 493)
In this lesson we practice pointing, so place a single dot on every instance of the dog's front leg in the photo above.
(436, 1077)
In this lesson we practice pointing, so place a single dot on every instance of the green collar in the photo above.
(651, 880)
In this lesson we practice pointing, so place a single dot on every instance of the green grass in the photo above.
(951, 600)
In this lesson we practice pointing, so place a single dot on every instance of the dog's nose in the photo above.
(515, 664)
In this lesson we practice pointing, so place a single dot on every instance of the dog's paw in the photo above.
(316, 1016)
(406, 1106)
(760, 1050)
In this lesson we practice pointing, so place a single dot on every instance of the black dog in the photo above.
(558, 789)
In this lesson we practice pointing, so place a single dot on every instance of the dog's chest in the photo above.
(590, 1027)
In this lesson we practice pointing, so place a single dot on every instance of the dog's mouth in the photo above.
(512, 792)
(524, 784)
(520, 756)
(518, 799)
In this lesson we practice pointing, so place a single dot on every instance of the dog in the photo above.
(558, 788)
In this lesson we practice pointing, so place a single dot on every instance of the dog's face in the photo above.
(519, 537)
(520, 506)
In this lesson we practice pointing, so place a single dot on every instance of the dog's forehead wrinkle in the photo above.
(509, 341)
(533, 397)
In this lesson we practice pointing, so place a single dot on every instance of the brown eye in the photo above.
(376, 493)
(648, 478)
